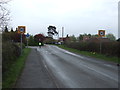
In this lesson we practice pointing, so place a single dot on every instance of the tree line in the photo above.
(108, 46)
(80, 37)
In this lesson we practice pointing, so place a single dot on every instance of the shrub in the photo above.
(107, 48)
(110, 48)
(10, 51)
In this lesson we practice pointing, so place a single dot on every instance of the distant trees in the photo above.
(6, 29)
(111, 36)
(12, 36)
(52, 31)
(80, 37)
(91, 43)
(31, 41)
(34, 40)
(73, 38)
(39, 38)
(12, 30)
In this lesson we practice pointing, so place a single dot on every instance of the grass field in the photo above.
(92, 54)
(15, 70)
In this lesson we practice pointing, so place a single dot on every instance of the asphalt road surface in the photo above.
(69, 70)
(34, 74)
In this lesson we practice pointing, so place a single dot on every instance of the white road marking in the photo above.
(70, 53)
(108, 65)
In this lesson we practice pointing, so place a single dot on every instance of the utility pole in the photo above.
(58, 35)
(62, 33)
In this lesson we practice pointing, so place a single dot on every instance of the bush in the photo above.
(110, 48)
(19, 45)
(10, 51)
(107, 48)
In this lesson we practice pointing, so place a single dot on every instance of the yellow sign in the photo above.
(101, 33)
(21, 29)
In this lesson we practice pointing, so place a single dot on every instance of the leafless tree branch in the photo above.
(4, 14)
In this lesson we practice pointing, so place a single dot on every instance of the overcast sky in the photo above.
(76, 16)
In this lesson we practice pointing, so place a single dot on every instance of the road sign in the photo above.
(21, 29)
(27, 35)
(101, 33)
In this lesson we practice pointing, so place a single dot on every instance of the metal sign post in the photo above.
(21, 43)
(21, 30)
(27, 43)
(27, 36)
(101, 34)
(100, 47)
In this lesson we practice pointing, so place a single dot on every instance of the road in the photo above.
(69, 70)
(34, 74)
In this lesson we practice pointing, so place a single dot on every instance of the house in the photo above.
(64, 39)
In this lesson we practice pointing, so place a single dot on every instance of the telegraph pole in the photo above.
(62, 33)
(58, 35)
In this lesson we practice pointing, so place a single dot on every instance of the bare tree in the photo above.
(4, 14)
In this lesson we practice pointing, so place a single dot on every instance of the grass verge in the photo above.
(15, 70)
(92, 54)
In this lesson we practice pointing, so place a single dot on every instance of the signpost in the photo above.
(21, 30)
(27, 36)
(101, 33)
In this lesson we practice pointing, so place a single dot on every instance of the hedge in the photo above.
(107, 48)
(10, 52)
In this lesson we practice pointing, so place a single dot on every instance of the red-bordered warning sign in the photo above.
(101, 33)
(21, 29)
